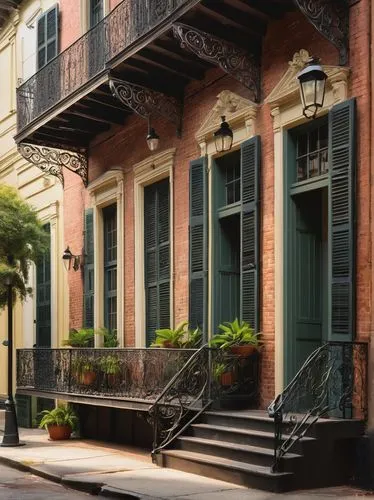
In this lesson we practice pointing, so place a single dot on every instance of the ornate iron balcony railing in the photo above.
(332, 383)
(119, 373)
(90, 55)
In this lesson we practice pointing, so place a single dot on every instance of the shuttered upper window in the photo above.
(47, 36)
(312, 156)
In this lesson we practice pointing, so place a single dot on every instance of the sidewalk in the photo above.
(125, 472)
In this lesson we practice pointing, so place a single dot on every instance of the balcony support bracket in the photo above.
(52, 160)
(331, 19)
(229, 57)
(147, 102)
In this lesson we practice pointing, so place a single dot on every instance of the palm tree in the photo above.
(22, 240)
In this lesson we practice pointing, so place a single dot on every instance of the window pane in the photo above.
(302, 145)
(323, 137)
(302, 169)
(324, 162)
(313, 140)
(230, 196)
(313, 165)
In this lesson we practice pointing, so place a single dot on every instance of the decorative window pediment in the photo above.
(287, 89)
(239, 112)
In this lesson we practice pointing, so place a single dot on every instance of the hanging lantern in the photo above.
(223, 137)
(152, 139)
(312, 80)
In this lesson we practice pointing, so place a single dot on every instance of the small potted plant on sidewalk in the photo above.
(60, 422)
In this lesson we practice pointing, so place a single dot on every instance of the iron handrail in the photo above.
(331, 382)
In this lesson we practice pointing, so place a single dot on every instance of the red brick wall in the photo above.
(126, 146)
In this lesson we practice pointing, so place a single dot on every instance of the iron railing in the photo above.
(120, 373)
(210, 376)
(90, 55)
(332, 383)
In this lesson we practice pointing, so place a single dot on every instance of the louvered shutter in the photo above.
(198, 246)
(88, 301)
(342, 166)
(250, 220)
(47, 36)
(157, 257)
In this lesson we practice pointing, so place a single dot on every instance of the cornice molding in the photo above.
(113, 176)
(239, 112)
(287, 89)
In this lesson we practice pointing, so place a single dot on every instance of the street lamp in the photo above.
(223, 137)
(11, 436)
(312, 80)
(152, 138)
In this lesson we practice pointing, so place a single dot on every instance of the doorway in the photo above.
(307, 297)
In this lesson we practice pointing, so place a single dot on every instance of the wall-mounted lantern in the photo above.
(68, 257)
(312, 80)
(223, 137)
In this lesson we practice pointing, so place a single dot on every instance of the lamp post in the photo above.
(11, 437)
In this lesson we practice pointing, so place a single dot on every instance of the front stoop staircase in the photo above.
(238, 447)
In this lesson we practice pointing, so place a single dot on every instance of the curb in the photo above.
(93, 488)
(112, 492)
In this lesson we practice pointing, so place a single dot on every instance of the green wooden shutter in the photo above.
(157, 257)
(88, 300)
(47, 36)
(342, 187)
(250, 221)
(198, 246)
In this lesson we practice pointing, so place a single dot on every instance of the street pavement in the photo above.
(16, 485)
(121, 471)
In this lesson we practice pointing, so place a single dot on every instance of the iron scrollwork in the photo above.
(145, 102)
(331, 19)
(331, 383)
(52, 160)
(228, 56)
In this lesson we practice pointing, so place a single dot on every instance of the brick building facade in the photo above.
(121, 169)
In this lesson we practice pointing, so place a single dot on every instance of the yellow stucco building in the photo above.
(43, 318)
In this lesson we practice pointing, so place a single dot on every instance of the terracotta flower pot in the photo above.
(227, 379)
(88, 378)
(59, 432)
(243, 350)
(168, 344)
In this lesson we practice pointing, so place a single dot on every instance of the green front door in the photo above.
(308, 299)
(43, 298)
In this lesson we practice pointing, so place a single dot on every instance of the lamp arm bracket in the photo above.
(331, 19)
(52, 160)
(146, 102)
(232, 59)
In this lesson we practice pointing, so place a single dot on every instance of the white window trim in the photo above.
(286, 110)
(151, 170)
(241, 114)
(107, 190)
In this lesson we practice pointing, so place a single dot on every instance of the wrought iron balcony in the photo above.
(90, 56)
(138, 374)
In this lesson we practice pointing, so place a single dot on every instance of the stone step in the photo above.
(224, 469)
(239, 452)
(251, 437)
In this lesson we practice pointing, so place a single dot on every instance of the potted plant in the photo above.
(168, 337)
(84, 337)
(237, 336)
(180, 337)
(110, 366)
(84, 369)
(60, 422)
(223, 374)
